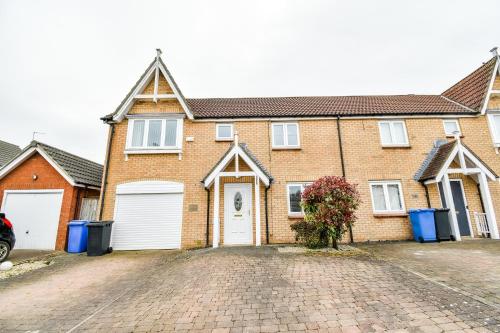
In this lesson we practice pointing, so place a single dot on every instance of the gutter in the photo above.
(342, 164)
(106, 169)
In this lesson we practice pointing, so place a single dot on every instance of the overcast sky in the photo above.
(64, 64)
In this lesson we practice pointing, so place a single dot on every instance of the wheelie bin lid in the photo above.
(78, 222)
(99, 223)
(421, 210)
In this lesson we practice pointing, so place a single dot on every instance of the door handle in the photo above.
(27, 232)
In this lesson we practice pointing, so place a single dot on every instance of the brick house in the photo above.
(222, 171)
(42, 189)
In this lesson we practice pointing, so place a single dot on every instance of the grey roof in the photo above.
(254, 159)
(80, 170)
(429, 158)
(437, 158)
(7, 152)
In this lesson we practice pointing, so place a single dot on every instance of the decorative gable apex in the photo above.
(154, 75)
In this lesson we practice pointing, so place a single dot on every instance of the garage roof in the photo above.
(77, 170)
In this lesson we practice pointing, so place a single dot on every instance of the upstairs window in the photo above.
(451, 127)
(154, 134)
(224, 132)
(387, 197)
(393, 133)
(285, 135)
(494, 120)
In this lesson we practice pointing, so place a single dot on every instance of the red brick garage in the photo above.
(44, 188)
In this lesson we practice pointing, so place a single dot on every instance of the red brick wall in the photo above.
(48, 178)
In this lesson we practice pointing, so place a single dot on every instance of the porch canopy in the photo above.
(456, 158)
(258, 171)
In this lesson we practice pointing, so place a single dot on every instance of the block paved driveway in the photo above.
(249, 290)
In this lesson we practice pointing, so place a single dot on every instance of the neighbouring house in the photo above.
(7, 152)
(190, 172)
(42, 189)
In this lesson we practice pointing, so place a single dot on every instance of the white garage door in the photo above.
(35, 217)
(148, 215)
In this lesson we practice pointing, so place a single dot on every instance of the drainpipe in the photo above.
(427, 195)
(105, 180)
(208, 217)
(480, 197)
(339, 134)
(267, 216)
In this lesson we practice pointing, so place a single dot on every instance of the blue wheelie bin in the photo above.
(424, 227)
(77, 238)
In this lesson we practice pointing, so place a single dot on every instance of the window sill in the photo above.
(152, 151)
(286, 148)
(224, 140)
(395, 146)
(388, 214)
(295, 216)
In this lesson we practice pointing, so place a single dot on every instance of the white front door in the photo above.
(238, 214)
(35, 217)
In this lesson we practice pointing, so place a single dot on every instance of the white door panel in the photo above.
(238, 214)
(35, 217)
(147, 221)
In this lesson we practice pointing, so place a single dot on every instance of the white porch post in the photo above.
(451, 205)
(257, 211)
(216, 232)
(488, 205)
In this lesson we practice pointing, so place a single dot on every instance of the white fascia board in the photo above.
(285, 119)
(478, 164)
(181, 100)
(27, 154)
(255, 168)
(15, 162)
(56, 166)
(490, 88)
(128, 103)
(446, 165)
(222, 164)
(236, 150)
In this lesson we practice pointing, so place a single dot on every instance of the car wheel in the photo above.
(4, 250)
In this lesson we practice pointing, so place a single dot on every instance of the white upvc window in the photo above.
(294, 197)
(154, 135)
(494, 124)
(285, 135)
(451, 127)
(387, 196)
(393, 133)
(224, 132)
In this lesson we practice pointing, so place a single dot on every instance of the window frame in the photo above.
(302, 187)
(385, 184)
(219, 138)
(491, 124)
(144, 148)
(391, 129)
(285, 135)
(451, 121)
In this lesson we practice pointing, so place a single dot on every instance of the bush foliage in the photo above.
(329, 207)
